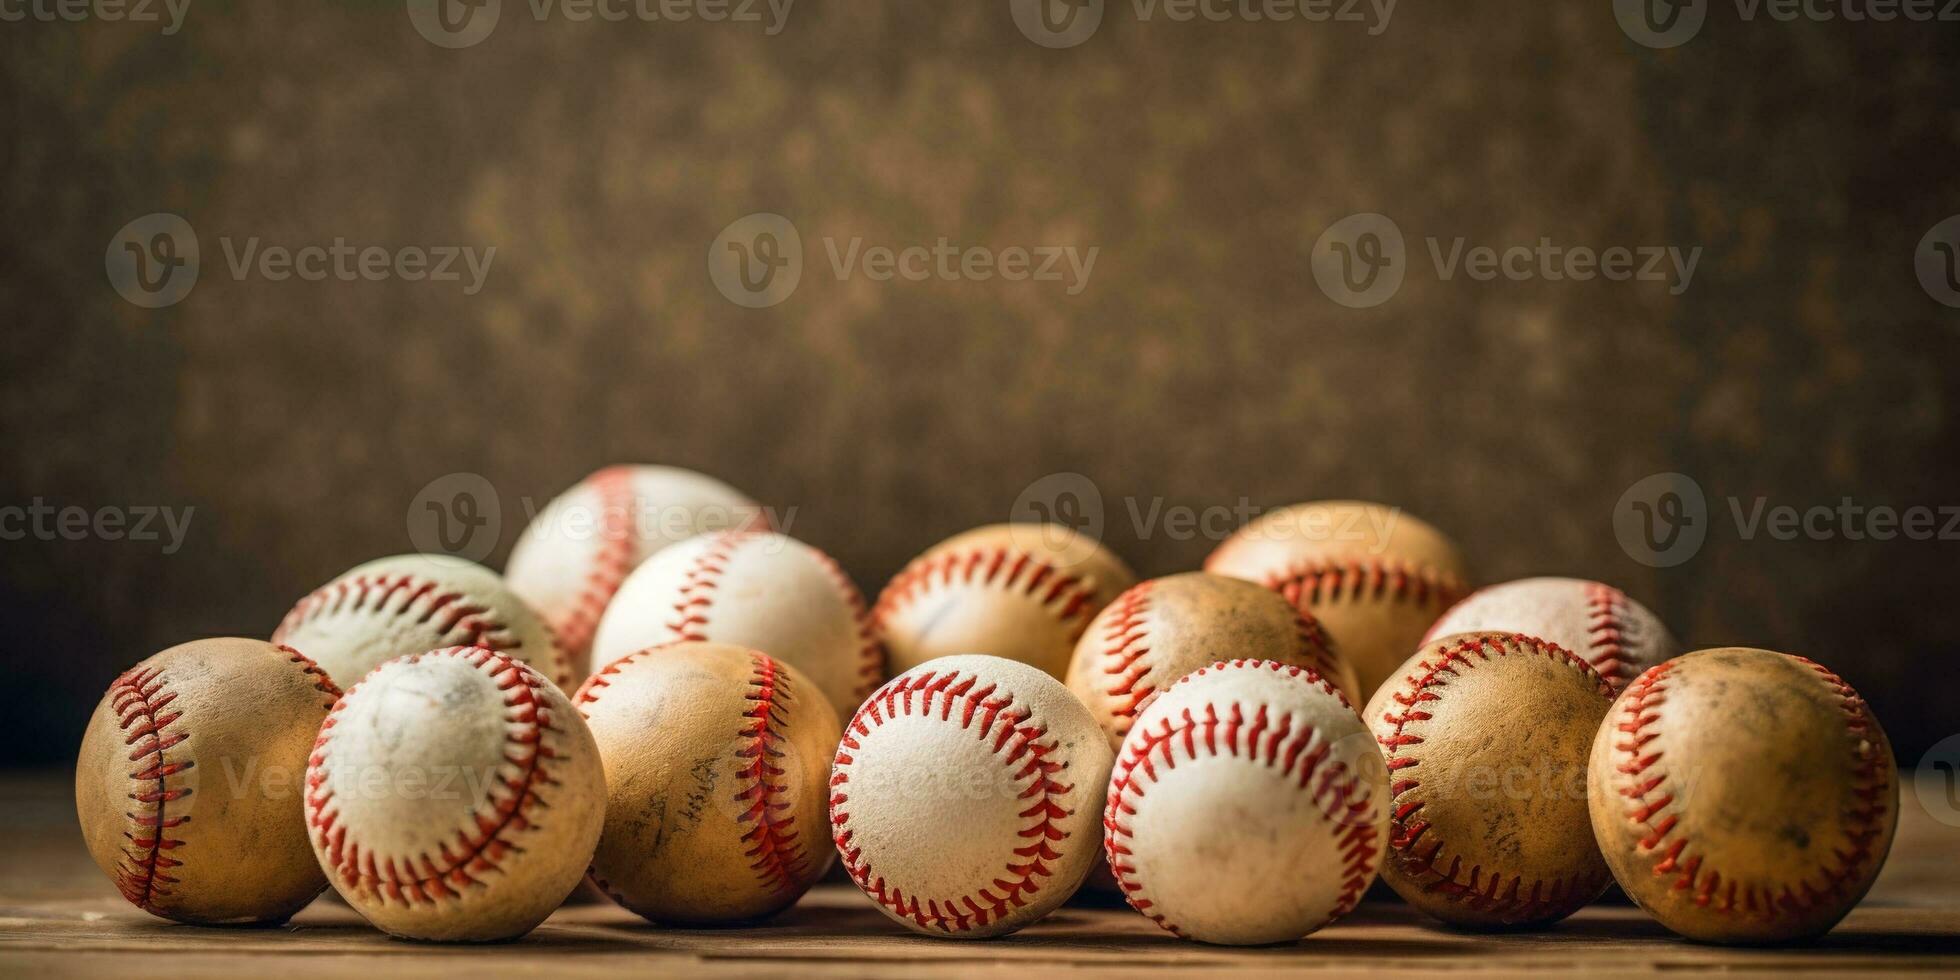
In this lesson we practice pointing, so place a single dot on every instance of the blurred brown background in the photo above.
(1201, 365)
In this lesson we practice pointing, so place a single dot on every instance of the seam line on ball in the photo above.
(871, 653)
(699, 583)
(141, 705)
(1282, 746)
(610, 563)
(1649, 797)
(1509, 897)
(1313, 581)
(479, 847)
(1016, 740)
(779, 858)
(1606, 632)
(1069, 597)
(456, 620)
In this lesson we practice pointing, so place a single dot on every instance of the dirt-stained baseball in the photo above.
(392, 607)
(1374, 576)
(1248, 805)
(579, 548)
(1615, 634)
(1487, 737)
(190, 780)
(755, 589)
(966, 795)
(717, 769)
(1743, 796)
(455, 795)
(1162, 629)
(1021, 591)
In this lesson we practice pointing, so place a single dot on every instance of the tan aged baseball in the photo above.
(1021, 591)
(579, 548)
(754, 589)
(1743, 796)
(392, 607)
(1374, 576)
(1615, 634)
(1486, 736)
(455, 795)
(965, 796)
(1248, 805)
(717, 763)
(190, 780)
(1162, 629)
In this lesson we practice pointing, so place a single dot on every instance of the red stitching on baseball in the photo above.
(698, 585)
(1070, 597)
(139, 700)
(1606, 632)
(321, 682)
(780, 861)
(1015, 738)
(871, 653)
(1512, 899)
(419, 878)
(1323, 580)
(1647, 799)
(1125, 643)
(1337, 792)
(618, 536)
(456, 622)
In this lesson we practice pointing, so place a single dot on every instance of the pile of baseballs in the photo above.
(668, 697)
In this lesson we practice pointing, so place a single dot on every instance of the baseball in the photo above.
(1248, 805)
(1486, 737)
(1163, 629)
(1743, 796)
(717, 760)
(965, 796)
(583, 544)
(754, 589)
(1021, 591)
(392, 607)
(454, 795)
(1615, 634)
(189, 781)
(1374, 576)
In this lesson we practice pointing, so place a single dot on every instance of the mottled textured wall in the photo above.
(1201, 364)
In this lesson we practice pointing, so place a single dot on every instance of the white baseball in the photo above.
(392, 607)
(1613, 633)
(965, 796)
(455, 795)
(1248, 805)
(755, 589)
(583, 544)
(1021, 591)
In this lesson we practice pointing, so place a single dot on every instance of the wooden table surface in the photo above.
(60, 916)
